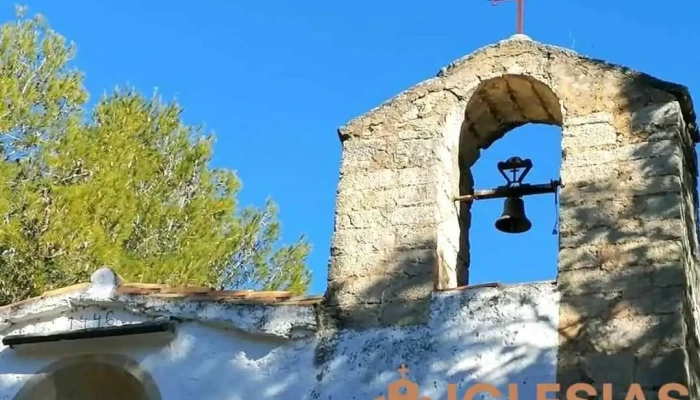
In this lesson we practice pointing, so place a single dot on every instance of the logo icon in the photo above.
(403, 388)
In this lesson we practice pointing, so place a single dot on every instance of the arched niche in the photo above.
(90, 377)
(497, 106)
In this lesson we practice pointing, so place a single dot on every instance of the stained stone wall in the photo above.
(627, 265)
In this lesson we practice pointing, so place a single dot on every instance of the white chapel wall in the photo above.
(488, 335)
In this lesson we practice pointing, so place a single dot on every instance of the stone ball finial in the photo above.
(105, 277)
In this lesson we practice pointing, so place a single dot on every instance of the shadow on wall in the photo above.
(627, 270)
(627, 263)
(494, 335)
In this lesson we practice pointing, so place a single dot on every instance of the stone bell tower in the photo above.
(627, 272)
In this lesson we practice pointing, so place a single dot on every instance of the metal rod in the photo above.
(519, 13)
(511, 191)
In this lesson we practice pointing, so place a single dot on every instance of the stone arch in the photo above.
(495, 107)
(91, 376)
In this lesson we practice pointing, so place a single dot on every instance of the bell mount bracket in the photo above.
(514, 186)
(514, 165)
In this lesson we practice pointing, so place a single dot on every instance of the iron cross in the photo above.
(519, 15)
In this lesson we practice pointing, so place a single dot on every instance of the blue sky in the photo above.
(274, 79)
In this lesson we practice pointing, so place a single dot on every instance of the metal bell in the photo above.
(513, 219)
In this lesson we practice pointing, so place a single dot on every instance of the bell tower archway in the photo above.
(627, 261)
(497, 106)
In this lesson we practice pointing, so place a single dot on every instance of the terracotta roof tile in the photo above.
(202, 293)
(190, 293)
(65, 289)
(208, 294)
(468, 287)
(50, 293)
(151, 286)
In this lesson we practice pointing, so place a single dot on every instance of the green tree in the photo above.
(126, 184)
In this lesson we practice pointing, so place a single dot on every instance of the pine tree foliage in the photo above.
(126, 184)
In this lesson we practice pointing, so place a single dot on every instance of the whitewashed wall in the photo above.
(489, 335)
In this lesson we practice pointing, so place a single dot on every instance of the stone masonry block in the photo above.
(640, 253)
(590, 192)
(661, 206)
(667, 164)
(361, 219)
(577, 258)
(638, 151)
(588, 174)
(588, 157)
(414, 195)
(365, 180)
(416, 215)
(353, 265)
(661, 300)
(577, 309)
(634, 279)
(667, 275)
(623, 230)
(616, 369)
(597, 280)
(632, 333)
(588, 135)
(383, 260)
(387, 199)
(651, 185)
(414, 153)
(383, 288)
(588, 119)
(655, 116)
(400, 313)
(671, 133)
(586, 216)
(353, 315)
(424, 128)
(367, 200)
(416, 176)
(367, 239)
(416, 237)
(659, 369)
(364, 154)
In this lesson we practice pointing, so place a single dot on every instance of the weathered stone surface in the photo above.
(620, 231)
(655, 117)
(616, 369)
(659, 369)
(590, 134)
(640, 253)
(627, 216)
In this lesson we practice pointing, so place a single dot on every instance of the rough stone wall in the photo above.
(393, 186)
(691, 307)
(623, 243)
(627, 269)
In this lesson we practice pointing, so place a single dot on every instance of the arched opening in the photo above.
(531, 114)
(89, 377)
